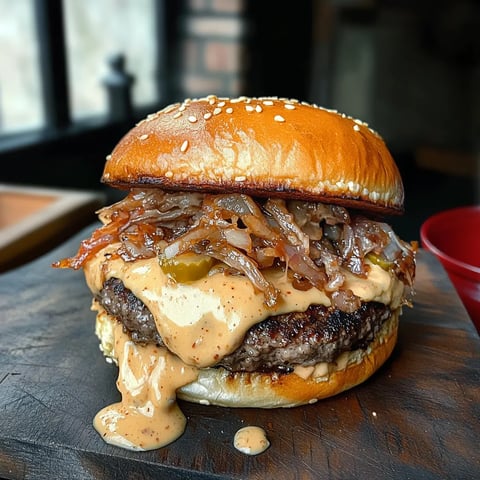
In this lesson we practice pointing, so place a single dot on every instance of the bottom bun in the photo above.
(217, 386)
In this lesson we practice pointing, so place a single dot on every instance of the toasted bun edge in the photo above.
(259, 146)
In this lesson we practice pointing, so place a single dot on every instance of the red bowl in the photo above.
(453, 236)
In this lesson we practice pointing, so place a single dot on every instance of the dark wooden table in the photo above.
(417, 418)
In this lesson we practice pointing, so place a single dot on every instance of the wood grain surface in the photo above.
(416, 418)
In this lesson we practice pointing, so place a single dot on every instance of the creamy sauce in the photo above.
(251, 440)
(148, 416)
(204, 320)
(200, 322)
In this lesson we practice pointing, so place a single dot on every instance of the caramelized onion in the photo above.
(237, 260)
(290, 230)
(314, 242)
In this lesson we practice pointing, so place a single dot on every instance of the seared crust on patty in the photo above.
(280, 342)
(317, 335)
(122, 304)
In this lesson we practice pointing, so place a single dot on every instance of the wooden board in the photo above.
(418, 417)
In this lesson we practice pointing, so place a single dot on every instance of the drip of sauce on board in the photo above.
(251, 440)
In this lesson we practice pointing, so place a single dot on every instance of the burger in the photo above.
(249, 263)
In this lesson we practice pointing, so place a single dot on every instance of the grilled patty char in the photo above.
(122, 304)
(278, 343)
(319, 334)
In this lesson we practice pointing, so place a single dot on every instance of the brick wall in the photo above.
(212, 57)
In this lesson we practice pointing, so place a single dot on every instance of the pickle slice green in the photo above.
(381, 262)
(186, 267)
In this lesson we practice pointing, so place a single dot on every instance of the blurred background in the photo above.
(76, 75)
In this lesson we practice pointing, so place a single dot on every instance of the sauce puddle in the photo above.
(251, 440)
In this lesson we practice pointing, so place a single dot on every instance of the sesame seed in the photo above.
(177, 115)
(207, 115)
(184, 146)
(259, 109)
(229, 110)
(240, 178)
(267, 102)
(169, 174)
(278, 118)
(217, 111)
(170, 108)
(151, 116)
(289, 106)
(374, 414)
(221, 104)
(182, 108)
(108, 157)
(353, 187)
(143, 137)
(249, 108)
(192, 118)
(356, 128)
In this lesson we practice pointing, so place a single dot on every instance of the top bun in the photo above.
(261, 147)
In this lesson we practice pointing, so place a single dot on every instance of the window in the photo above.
(54, 55)
(97, 30)
(20, 88)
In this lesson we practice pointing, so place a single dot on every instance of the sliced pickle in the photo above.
(381, 262)
(186, 267)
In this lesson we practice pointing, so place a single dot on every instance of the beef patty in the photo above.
(280, 342)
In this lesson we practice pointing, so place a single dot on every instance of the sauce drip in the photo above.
(148, 416)
(251, 440)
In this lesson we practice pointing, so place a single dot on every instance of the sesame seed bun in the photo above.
(259, 146)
